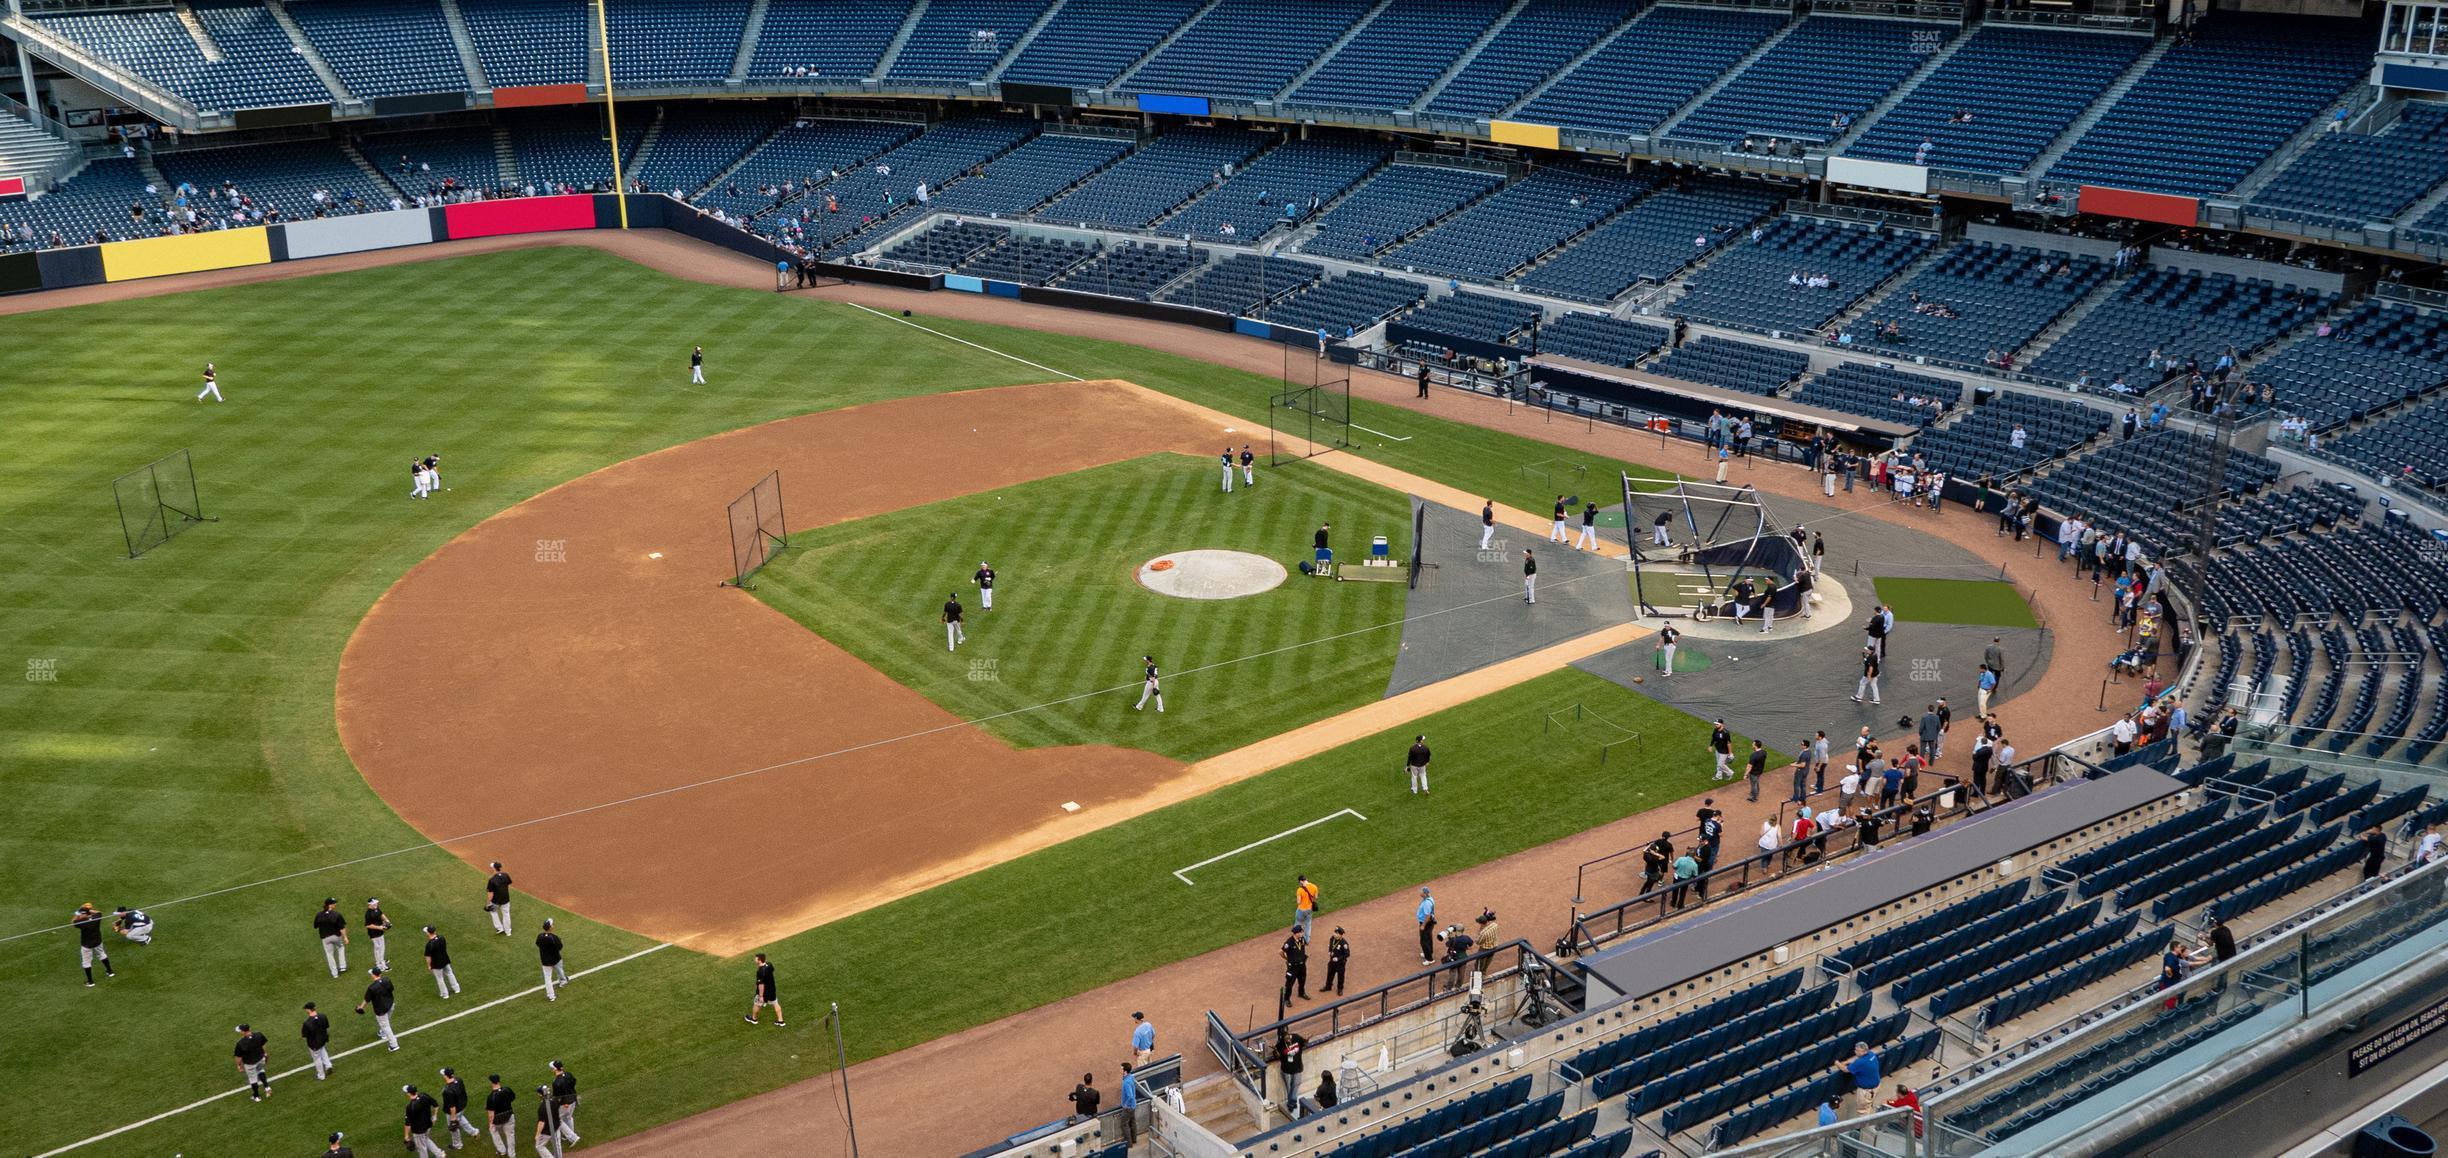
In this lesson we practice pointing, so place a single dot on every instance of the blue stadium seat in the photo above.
(1749, 288)
(1650, 242)
(1814, 82)
(383, 48)
(1496, 236)
(1342, 306)
(1397, 55)
(1247, 49)
(2350, 178)
(1156, 179)
(945, 46)
(1394, 205)
(528, 42)
(2053, 75)
(1089, 42)
(2000, 297)
(1541, 38)
(837, 39)
(1657, 64)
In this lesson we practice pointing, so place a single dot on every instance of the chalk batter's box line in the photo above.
(1185, 871)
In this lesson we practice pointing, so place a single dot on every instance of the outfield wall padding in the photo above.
(519, 215)
(19, 272)
(2164, 208)
(190, 253)
(357, 234)
(532, 95)
(62, 268)
(1127, 307)
(873, 276)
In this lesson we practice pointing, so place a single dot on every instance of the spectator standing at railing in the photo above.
(1863, 1068)
(1657, 860)
(1085, 1098)
(1426, 916)
(1685, 869)
(2375, 851)
(1143, 1038)
(1130, 1106)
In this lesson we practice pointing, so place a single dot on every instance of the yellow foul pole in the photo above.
(603, 39)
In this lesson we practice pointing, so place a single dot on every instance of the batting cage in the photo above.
(156, 501)
(1313, 406)
(757, 531)
(1694, 542)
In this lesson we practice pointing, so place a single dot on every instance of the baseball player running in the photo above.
(548, 952)
(333, 929)
(316, 1029)
(1150, 688)
(249, 1057)
(954, 635)
(212, 384)
(497, 899)
(379, 997)
(438, 962)
(88, 923)
(984, 579)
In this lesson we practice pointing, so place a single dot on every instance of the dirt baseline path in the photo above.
(548, 662)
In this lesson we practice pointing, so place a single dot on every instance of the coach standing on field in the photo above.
(1416, 762)
(497, 899)
(333, 929)
(984, 579)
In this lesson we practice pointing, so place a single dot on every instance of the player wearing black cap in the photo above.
(416, 1125)
(548, 951)
(250, 1061)
(333, 929)
(438, 963)
(88, 922)
(565, 1099)
(1152, 688)
(379, 997)
(316, 1029)
(454, 1108)
(954, 636)
(497, 899)
(767, 993)
(547, 1125)
(501, 1115)
(335, 1149)
(376, 924)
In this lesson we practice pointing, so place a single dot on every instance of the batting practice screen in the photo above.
(156, 501)
(757, 532)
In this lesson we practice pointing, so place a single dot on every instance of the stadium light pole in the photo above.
(603, 40)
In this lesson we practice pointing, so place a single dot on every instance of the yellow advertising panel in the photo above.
(1518, 133)
(159, 256)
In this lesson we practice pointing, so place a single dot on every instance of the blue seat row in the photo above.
(1156, 178)
(1397, 55)
(2261, 892)
(1654, 66)
(1935, 976)
(1881, 392)
(1808, 1060)
(1477, 318)
(1928, 927)
(1903, 961)
(1442, 1124)
(1979, 299)
(1348, 304)
(2053, 75)
(1135, 270)
(2066, 979)
(1243, 283)
(1754, 286)
(1797, 1100)
(1724, 362)
(1395, 204)
(381, 48)
(1503, 233)
(1982, 442)
(1998, 978)
(824, 38)
(1605, 340)
(1672, 1057)
(1813, 82)
(2264, 864)
(2144, 862)
(2157, 835)
(959, 40)
(1030, 175)
(1541, 38)
(1692, 1066)
(1246, 49)
(1652, 241)
(1089, 42)
(2351, 178)
(2016, 1106)
(2344, 803)
(1287, 183)
(1782, 987)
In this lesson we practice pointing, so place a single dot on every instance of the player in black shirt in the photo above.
(317, 1031)
(954, 634)
(250, 1061)
(379, 997)
(548, 952)
(416, 1124)
(501, 1114)
(376, 924)
(565, 1099)
(336, 1150)
(697, 366)
(547, 1123)
(1529, 576)
(984, 579)
(332, 928)
(454, 1108)
(766, 993)
(1249, 475)
(88, 922)
(438, 962)
(1416, 762)
(1555, 534)
(1151, 686)
(497, 899)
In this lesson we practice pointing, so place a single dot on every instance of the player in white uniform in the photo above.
(416, 474)
(985, 580)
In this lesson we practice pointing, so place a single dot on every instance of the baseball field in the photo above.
(333, 690)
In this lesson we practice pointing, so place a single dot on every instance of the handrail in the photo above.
(94, 71)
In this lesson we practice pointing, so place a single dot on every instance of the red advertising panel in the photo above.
(2160, 207)
(12, 189)
(528, 96)
(519, 215)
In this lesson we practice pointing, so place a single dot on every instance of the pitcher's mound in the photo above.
(1211, 574)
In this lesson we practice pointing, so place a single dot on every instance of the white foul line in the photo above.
(1382, 434)
(419, 1028)
(966, 342)
(1181, 872)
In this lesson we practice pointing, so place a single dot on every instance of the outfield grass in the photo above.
(1978, 602)
(1070, 615)
(187, 744)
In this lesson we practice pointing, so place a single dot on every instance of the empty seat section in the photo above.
(1656, 65)
(2180, 314)
(259, 66)
(1979, 297)
(1601, 339)
(1507, 231)
(1724, 362)
(569, 147)
(1157, 178)
(1650, 242)
(962, 39)
(1751, 286)
(2211, 111)
(2351, 178)
(1879, 392)
(2054, 76)
(1343, 306)
(804, 154)
(697, 141)
(2380, 355)
(656, 43)
(1541, 38)
(1476, 318)
(1247, 49)
(1398, 202)
(837, 39)
(1133, 270)
(1240, 284)
(381, 48)
(425, 161)
(1827, 71)
(529, 42)
(1024, 178)
(1089, 42)
(1394, 59)
(1287, 183)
